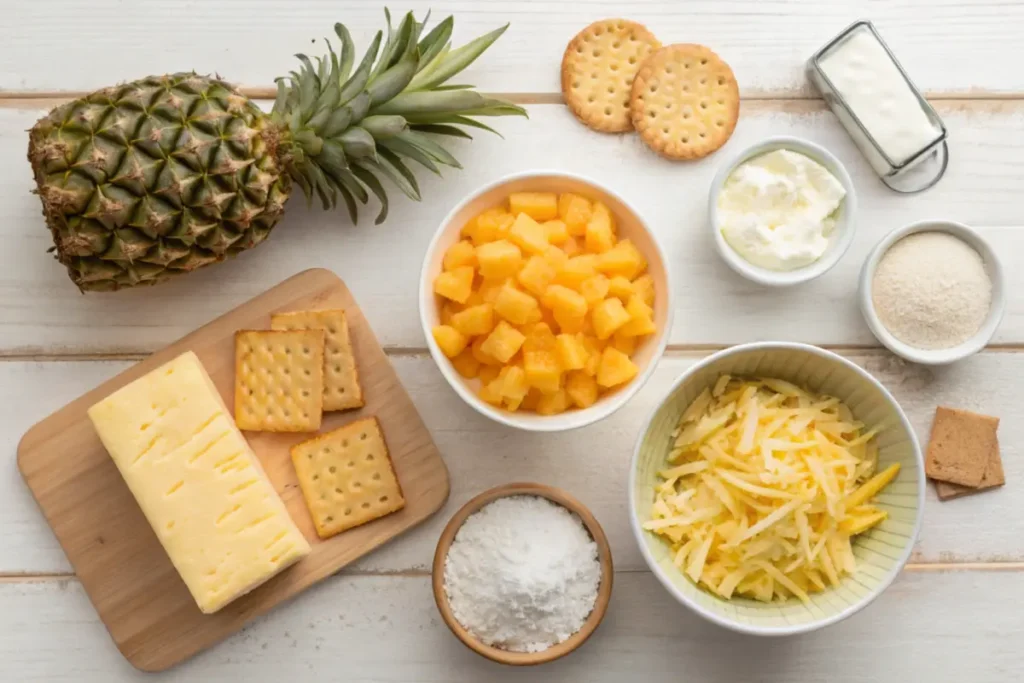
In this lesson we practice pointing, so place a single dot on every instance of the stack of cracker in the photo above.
(285, 379)
(963, 453)
(682, 99)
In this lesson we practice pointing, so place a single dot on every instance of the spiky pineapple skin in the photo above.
(157, 177)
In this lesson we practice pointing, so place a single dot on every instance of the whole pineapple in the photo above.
(157, 177)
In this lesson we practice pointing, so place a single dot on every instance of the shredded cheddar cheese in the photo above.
(765, 486)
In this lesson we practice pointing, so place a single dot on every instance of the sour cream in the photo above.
(777, 210)
(865, 76)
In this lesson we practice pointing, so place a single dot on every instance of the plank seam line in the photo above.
(914, 567)
(269, 93)
(672, 350)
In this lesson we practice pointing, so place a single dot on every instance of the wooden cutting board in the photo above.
(129, 579)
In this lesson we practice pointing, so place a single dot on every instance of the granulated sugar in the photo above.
(931, 290)
(522, 574)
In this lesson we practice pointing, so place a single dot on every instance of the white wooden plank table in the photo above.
(953, 615)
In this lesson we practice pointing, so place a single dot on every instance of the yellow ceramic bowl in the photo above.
(880, 552)
(630, 225)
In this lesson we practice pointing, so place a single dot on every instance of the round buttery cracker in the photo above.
(684, 102)
(598, 69)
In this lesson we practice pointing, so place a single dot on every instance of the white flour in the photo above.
(522, 574)
(931, 291)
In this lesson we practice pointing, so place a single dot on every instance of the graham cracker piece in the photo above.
(685, 101)
(279, 380)
(598, 67)
(347, 477)
(341, 375)
(960, 446)
(994, 477)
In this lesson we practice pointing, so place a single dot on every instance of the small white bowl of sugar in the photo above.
(933, 292)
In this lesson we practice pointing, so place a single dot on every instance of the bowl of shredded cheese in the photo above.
(777, 489)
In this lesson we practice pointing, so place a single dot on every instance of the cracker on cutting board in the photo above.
(347, 477)
(685, 101)
(960, 446)
(279, 380)
(993, 477)
(341, 376)
(598, 67)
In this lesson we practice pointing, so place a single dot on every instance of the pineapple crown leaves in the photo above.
(345, 126)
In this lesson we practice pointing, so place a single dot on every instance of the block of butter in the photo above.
(198, 482)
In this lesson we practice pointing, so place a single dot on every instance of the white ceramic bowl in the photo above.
(880, 552)
(935, 356)
(630, 224)
(839, 240)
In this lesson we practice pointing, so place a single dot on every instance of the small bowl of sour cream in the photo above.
(782, 211)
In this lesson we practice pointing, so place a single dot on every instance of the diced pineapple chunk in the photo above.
(489, 373)
(529, 235)
(489, 226)
(539, 338)
(575, 211)
(608, 316)
(571, 247)
(515, 306)
(448, 309)
(503, 342)
(616, 368)
(475, 299)
(466, 364)
(564, 300)
(622, 259)
(600, 232)
(542, 370)
(576, 270)
(541, 206)
(570, 322)
(462, 253)
(553, 404)
(531, 400)
(641, 319)
(555, 256)
(477, 349)
(451, 341)
(572, 355)
(594, 289)
(491, 392)
(643, 287)
(556, 231)
(475, 320)
(456, 285)
(490, 289)
(594, 348)
(623, 343)
(536, 275)
(621, 288)
(581, 388)
(513, 385)
(498, 259)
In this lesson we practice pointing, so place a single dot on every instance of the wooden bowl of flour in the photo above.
(604, 592)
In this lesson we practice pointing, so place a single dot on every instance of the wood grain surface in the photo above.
(954, 615)
(136, 591)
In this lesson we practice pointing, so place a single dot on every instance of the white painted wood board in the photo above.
(42, 312)
(946, 46)
(929, 626)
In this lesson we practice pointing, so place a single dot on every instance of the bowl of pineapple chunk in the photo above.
(545, 300)
(777, 489)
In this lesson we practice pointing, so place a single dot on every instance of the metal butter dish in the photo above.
(895, 127)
